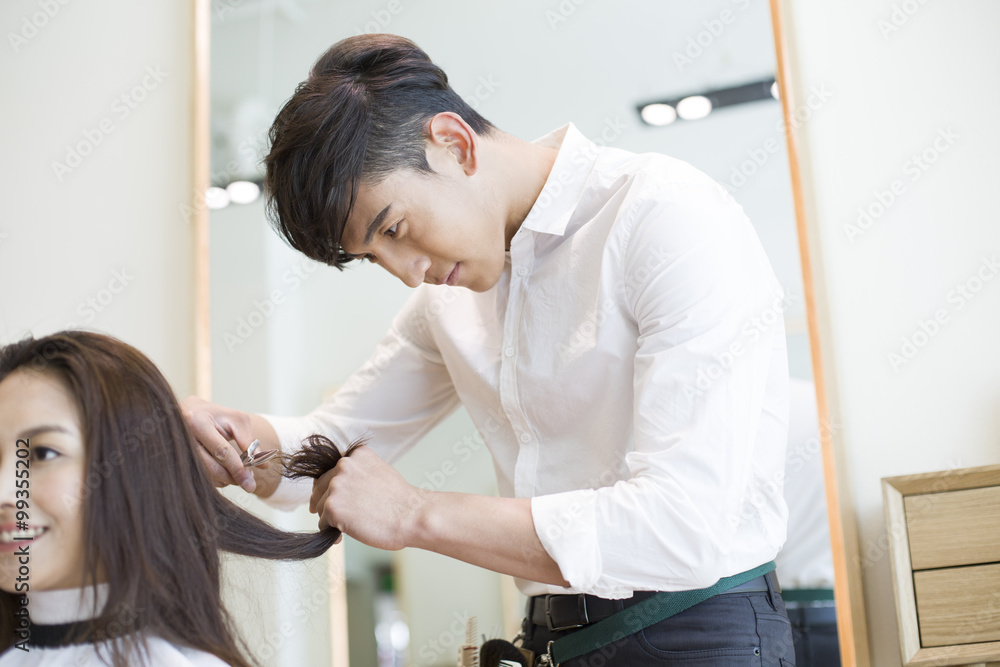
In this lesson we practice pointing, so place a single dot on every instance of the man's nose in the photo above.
(409, 268)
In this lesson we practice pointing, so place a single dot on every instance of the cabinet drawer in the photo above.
(954, 527)
(958, 605)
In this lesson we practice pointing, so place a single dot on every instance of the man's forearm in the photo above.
(495, 533)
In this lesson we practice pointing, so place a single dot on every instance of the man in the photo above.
(609, 321)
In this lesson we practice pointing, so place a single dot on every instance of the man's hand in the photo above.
(224, 434)
(364, 497)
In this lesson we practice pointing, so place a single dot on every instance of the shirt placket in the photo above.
(522, 260)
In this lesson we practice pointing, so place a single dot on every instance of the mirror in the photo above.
(285, 331)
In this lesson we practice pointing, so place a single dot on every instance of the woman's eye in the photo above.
(43, 453)
(392, 230)
(371, 258)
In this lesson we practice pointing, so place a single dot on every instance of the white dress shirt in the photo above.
(75, 604)
(628, 373)
(806, 560)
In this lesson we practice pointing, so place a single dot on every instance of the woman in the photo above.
(109, 527)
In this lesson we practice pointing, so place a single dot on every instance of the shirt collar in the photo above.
(551, 212)
(67, 605)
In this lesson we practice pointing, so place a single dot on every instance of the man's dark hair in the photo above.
(361, 114)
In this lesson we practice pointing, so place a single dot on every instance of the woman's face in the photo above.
(39, 416)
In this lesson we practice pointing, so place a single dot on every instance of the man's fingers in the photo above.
(220, 476)
(222, 455)
(320, 488)
(237, 427)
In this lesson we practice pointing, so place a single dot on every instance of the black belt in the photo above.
(566, 612)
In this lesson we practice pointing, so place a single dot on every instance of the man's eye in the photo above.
(371, 258)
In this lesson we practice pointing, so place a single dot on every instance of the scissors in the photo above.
(251, 458)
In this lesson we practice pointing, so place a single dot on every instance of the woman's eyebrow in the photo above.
(44, 428)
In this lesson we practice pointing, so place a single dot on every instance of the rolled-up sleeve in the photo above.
(710, 365)
(393, 400)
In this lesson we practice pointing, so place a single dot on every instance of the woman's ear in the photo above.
(452, 143)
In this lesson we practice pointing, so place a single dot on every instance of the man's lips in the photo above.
(452, 278)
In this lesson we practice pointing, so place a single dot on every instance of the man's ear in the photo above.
(451, 143)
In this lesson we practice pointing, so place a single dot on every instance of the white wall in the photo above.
(100, 244)
(902, 76)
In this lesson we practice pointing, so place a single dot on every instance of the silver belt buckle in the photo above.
(582, 609)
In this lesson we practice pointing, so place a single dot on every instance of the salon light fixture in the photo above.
(694, 107)
(216, 198)
(222, 195)
(701, 104)
(243, 192)
(658, 114)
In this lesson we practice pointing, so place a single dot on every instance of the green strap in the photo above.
(644, 614)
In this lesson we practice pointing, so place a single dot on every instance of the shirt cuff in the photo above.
(567, 527)
(290, 492)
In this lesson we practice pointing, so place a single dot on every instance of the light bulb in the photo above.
(658, 114)
(243, 192)
(694, 107)
(216, 198)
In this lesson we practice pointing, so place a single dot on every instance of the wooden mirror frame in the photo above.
(852, 627)
(848, 593)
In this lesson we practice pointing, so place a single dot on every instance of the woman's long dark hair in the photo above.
(152, 519)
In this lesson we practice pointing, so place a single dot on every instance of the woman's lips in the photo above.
(452, 278)
(12, 539)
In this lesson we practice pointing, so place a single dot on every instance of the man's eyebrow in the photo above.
(376, 223)
(45, 428)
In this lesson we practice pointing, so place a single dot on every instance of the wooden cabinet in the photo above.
(944, 543)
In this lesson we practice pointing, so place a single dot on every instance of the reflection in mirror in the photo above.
(286, 331)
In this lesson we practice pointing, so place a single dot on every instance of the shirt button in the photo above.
(525, 437)
(521, 271)
(509, 352)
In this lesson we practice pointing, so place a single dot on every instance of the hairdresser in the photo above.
(608, 321)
